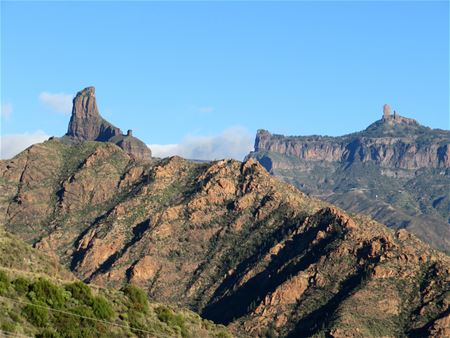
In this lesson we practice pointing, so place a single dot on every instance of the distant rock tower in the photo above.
(86, 124)
(386, 112)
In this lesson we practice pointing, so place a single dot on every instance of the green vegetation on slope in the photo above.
(38, 297)
(43, 308)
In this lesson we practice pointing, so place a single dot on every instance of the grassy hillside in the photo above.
(45, 308)
(38, 297)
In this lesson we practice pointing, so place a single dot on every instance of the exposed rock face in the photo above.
(396, 170)
(388, 151)
(226, 239)
(86, 124)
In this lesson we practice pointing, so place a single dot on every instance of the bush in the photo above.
(4, 283)
(137, 320)
(21, 285)
(46, 292)
(172, 319)
(81, 292)
(102, 309)
(15, 317)
(137, 297)
(83, 310)
(8, 327)
(36, 314)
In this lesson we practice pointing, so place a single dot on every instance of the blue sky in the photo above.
(185, 73)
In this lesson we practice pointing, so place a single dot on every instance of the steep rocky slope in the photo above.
(86, 124)
(227, 240)
(396, 170)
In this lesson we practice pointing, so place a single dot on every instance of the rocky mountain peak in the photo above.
(395, 118)
(396, 169)
(86, 124)
(84, 103)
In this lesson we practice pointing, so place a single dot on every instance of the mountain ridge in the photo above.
(225, 239)
(395, 170)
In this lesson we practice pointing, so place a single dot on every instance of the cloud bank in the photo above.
(58, 102)
(11, 145)
(233, 143)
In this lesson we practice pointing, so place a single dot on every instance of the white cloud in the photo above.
(11, 145)
(58, 102)
(234, 143)
(6, 111)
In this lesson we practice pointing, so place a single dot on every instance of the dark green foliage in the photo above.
(4, 283)
(137, 320)
(81, 292)
(46, 292)
(137, 296)
(72, 326)
(8, 327)
(14, 316)
(101, 307)
(21, 285)
(36, 314)
(172, 319)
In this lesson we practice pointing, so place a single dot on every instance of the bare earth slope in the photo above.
(396, 171)
(226, 239)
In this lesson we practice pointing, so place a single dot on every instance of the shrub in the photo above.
(68, 325)
(137, 320)
(8, 327)
(81, 292)
(172, 319)
(36, 314)
(21, 285)
(102, 309)
(83, 310)
(4, 283)
(15, 317)
(137, 297)
(46, 292)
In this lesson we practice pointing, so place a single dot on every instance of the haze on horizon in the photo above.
(199, 78)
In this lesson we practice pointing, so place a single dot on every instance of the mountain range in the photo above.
(396, 170)
(225, 239)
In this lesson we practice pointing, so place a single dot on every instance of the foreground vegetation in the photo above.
(44, 308)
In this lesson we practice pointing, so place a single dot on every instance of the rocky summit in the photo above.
(395, 170)
(86, 124)
(225, 239)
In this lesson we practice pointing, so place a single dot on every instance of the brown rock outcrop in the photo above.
(400, 153)
(86, 124)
